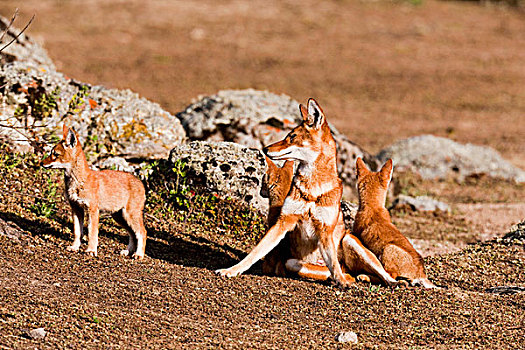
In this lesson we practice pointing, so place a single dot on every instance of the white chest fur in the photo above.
(307, 230)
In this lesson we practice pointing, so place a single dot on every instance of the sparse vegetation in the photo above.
(385, 70)
(169, 196)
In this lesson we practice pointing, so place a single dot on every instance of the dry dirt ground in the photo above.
(382, 71)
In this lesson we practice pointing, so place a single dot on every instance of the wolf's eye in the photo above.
(292, 137)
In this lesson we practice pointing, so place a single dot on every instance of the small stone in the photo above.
(37, 333)
(346, 337)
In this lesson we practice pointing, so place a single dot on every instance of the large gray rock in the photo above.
(419, 203)
(231, 170)
(36, 100)
(258, 118)
(225, 168)
(439, 158)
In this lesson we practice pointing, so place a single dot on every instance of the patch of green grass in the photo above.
(170, 197)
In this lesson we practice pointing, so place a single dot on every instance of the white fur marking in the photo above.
(307, 230)
(327, 215)
(291, 206)
(294, 152)
(58, 165)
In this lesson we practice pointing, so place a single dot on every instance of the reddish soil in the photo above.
(382, 71)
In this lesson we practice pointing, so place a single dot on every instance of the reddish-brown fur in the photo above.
(299, 256)
(276, 185)
(374, 227)
(314, 201)
(89, 191)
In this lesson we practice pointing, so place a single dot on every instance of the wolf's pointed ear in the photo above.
(315, 114)
(387, 170)
(271, 165)
(71, 138)
(304, 112)
(360, 167)
(65, 129)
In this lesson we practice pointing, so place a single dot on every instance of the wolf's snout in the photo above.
(265, 150)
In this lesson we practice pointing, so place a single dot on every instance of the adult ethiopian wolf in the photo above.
(314, 201)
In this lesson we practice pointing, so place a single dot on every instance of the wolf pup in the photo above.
(89, 191)
(302, 256)
(374, 227)
(314, 200)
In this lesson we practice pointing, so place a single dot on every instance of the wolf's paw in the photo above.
(403, 282)
(73, 248)
(345, 283)
(227, 272)
(91, 252)
(124, 252)
(137, 256)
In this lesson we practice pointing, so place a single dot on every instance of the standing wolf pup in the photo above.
(90, 191)
(374, 227)
(314, 200)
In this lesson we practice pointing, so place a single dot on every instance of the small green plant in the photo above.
(374, 288)
(173, 196)
(39, 105)
(77, 102)
(45, 204)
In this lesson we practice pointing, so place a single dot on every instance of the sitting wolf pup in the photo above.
(300, 256)
(375, 229)
(314, 200)
(90, 191)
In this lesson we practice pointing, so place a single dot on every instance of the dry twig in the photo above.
(9, 26)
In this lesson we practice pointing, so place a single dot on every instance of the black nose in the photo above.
(265, 150)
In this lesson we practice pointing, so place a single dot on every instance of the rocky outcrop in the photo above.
(230, 170)
(516, 233)
(419, 203)
(223, 168)
(349, 210)
(36, 100)
(439, 158)
(257, 118)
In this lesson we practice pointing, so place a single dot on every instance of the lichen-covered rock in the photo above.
(258, 118)
(349, 210)
(439, 158)
(516, 233)
(223, 168)
(36, 100)
(231, 170)
(116, 163)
